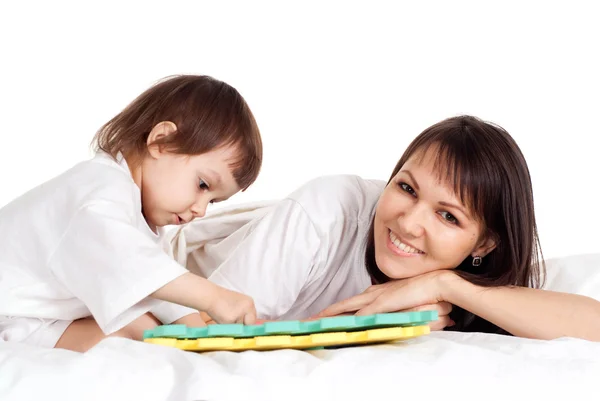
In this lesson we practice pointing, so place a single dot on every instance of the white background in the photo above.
(336, 87)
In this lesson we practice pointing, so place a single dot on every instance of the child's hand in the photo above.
(191, 320)
(196, 292)
(231, 307)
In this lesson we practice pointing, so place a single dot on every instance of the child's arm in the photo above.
(223, 305)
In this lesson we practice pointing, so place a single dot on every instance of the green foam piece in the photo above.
(295, 327)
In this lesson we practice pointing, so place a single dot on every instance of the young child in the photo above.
(80, 257)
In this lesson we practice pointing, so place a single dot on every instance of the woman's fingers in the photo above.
(380, 304)
(442, 308)
(350, 304)
(441, 323)
(374, 287)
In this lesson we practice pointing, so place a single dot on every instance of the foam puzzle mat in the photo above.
(337, 331)
(310, 341)
(295, 327)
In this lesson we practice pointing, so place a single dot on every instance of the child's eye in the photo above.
(202, 184)
(449, 218)
(407, 188)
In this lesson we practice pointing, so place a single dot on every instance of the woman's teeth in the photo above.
(402, 246)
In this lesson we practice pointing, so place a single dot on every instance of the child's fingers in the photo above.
(250, 318)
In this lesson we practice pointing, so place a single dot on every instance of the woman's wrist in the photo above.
(452, 288)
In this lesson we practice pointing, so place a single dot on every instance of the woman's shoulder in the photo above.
(340, 186)
(338, 197)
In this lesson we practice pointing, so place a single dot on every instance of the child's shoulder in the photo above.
(100, 180)
(101, 177)
(104, 166)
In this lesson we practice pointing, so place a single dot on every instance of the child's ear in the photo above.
(160, 130)
(484, 247)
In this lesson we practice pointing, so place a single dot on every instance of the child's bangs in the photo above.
(219, 117)
(248, 160)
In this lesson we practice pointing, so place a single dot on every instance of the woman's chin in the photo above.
(394, 270)
(397, 273)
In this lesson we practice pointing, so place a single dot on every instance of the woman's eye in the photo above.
(449, 217)
(407, 188)
(202, 184)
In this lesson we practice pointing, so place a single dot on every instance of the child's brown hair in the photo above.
(208, 114)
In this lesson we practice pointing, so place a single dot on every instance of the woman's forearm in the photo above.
(527, 312)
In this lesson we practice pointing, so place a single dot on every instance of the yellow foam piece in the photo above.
(293, 342)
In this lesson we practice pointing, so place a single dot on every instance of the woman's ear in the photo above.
(160, 130)
(484, 247)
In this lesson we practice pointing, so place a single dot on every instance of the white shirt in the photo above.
(294, 257)
(78, 245)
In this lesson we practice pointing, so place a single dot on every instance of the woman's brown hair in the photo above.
(208, 114)
(488, 172)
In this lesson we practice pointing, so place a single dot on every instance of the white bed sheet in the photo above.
(440, 365)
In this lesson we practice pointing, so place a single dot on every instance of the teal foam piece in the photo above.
(295, 327)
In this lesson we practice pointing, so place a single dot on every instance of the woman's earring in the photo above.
(476, 260)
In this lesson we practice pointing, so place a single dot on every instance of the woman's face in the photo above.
(421, 225)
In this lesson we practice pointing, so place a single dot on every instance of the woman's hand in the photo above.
(418, 293)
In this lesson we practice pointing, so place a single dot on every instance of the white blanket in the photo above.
(437, 366)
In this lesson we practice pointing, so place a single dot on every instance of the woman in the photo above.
(454, 225)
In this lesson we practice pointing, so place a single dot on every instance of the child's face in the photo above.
(421, 225)
(178, 188)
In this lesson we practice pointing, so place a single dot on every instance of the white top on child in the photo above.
(78, 245)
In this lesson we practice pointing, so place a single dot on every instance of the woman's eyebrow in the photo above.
(412, 177)
(446, 204)
(453, 206)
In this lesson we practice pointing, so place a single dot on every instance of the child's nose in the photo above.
(199, 208)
